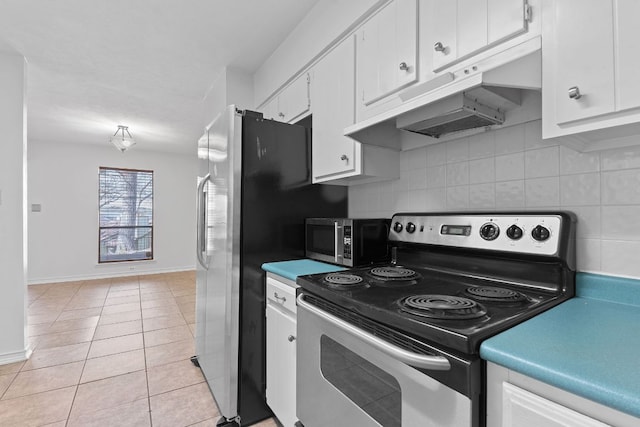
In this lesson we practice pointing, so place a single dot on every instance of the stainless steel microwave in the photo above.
(348, 242)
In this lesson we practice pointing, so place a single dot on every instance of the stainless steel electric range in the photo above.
(397, 344)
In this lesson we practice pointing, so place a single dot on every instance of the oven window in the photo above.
(372, 389)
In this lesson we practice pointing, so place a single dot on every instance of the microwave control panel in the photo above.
(346, 242)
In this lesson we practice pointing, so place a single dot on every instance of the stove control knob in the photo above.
(489, 231)
(514, 232)
(397, 227)
(540, 233)
(411, 227)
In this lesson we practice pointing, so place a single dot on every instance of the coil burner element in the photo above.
(489, 293)
(343, 281)
(393, 273)
(442, 307)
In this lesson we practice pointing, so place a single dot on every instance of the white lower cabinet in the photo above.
(525, 409)
(281, 349)
(515, 400)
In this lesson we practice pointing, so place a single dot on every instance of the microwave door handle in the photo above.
(335, 241)
(434, 363)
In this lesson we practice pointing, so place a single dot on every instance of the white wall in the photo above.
(232, 86)
(513, 168)
(63, 237)
(13, 169)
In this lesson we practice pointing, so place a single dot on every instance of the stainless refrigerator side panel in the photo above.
(219, 359)
(201, 270)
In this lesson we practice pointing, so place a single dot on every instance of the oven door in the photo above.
(349, 377)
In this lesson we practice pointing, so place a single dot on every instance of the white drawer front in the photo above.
(281, 295)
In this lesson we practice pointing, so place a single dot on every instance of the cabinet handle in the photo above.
(291, 338)
(281, 115)
(404, 66)
(344, 157)
(574, 92)
(438, 47)
(277, 297)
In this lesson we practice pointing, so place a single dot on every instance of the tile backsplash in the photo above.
(514, 169)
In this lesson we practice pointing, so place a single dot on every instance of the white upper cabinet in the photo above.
(583, 59)
(295, 99)
(463, 28)
(627, 42)
(337, 158)
(291, 103)
(387, 51)
(333, 110)
(590, 63)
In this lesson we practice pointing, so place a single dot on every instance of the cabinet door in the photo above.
(294, 100)
(281, 365)
(270, 110)
(524, 409)
(387, 51)
(627, 58)
(333, 110)
(583, 59)
(506, 19)
(445, 16)
(471, 26)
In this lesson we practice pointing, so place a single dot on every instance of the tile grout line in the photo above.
(144, 351)
(73, 401)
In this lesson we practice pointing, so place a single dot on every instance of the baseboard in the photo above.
(18, 356)
(107, 275)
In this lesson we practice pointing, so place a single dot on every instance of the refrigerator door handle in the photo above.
(201, 226)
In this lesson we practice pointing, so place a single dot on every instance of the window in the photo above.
(126, 215)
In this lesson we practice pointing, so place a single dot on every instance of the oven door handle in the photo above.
(434, 363)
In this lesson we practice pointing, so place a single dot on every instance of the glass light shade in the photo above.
(122, 143)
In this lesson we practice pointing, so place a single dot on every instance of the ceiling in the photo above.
(146, 64)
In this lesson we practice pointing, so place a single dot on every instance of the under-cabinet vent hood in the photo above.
(477, 96)
(453, 114)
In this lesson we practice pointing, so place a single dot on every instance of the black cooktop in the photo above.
(447, 309)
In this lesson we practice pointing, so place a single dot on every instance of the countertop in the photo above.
(589, 345)
(299, 267)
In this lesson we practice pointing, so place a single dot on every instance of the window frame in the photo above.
(152, 226)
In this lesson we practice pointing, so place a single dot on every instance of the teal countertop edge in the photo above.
(589, 345)
(299, 267)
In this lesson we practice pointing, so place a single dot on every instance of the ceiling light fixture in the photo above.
(120, 140)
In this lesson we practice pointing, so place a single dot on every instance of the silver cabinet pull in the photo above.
(404, 66)
(344, 157)
(574, 92)
(291, 338)
(436, 363)
(438, 47)
(279, 298)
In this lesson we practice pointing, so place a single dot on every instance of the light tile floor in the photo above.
(110, 352)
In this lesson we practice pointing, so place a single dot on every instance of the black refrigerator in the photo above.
(253, 193)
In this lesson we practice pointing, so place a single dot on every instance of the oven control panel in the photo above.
(527, 233)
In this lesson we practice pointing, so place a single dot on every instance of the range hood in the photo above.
(456, 113)
(476, 96)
